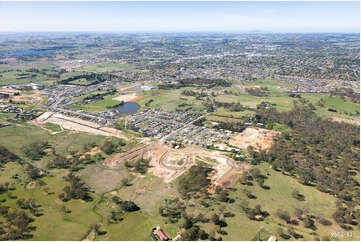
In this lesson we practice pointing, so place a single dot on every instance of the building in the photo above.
(148, 88)
(35, 86)
(161, 234)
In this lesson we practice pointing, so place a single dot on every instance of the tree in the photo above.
(195, 180)
(309, 223)
(194, 233)
(281, 234)
(283, 214)
(75, 190)
(59, 162)
(317, 151)
(291, 230)
(217, 221)
(223, 195)
(128, 206)
(215, 218)
(33, 172)
(6, 156)
(296, 194)
(187, 222)
(324, 221)
(16, 226)
(108, 147)
(124, 181)
(36, 150)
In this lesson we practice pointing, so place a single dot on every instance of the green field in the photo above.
(82, 82)
(346, 110)
(148, 191)
(279, 196)
(109, 67)
(151, 191)
(97, 106)
(15, 137)
(12, 76)
(170, 100)
(53, 127)
(81, 98)
(53, 223)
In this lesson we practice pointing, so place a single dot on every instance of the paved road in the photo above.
(77, 114)
(135, 152)
(183, 127)
(82, 124)
(184, 167)
(125, 88)
(59, 99)
(232, 166)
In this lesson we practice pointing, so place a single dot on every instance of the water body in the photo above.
(128, 108)
(35, 51)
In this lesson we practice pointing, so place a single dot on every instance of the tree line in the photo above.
(318, 152)
(6, 156)
(94, 77)
(195, 82)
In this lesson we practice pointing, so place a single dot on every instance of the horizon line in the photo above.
(182, 32)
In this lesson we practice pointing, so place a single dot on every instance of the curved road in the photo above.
(164, 156)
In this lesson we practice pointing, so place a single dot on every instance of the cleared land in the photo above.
(131, 97)
(259, 139)
(169, 164)
(79, 125)
(30, 97)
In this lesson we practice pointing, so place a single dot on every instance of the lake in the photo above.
(35, 51)
(128, 108)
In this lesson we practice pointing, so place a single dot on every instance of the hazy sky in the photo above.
(180, 16)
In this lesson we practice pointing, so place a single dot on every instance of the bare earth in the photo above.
(260, 139)
(164, 161)
(79, 125)
(157, 169)
(346, 120)
(131, 97)
(28, 97)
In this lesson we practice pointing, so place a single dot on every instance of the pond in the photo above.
(128, 108)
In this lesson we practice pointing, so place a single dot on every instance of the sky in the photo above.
(179, 16)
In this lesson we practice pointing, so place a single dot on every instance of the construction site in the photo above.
(78, 125)
(168, 163)
(258, 138)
